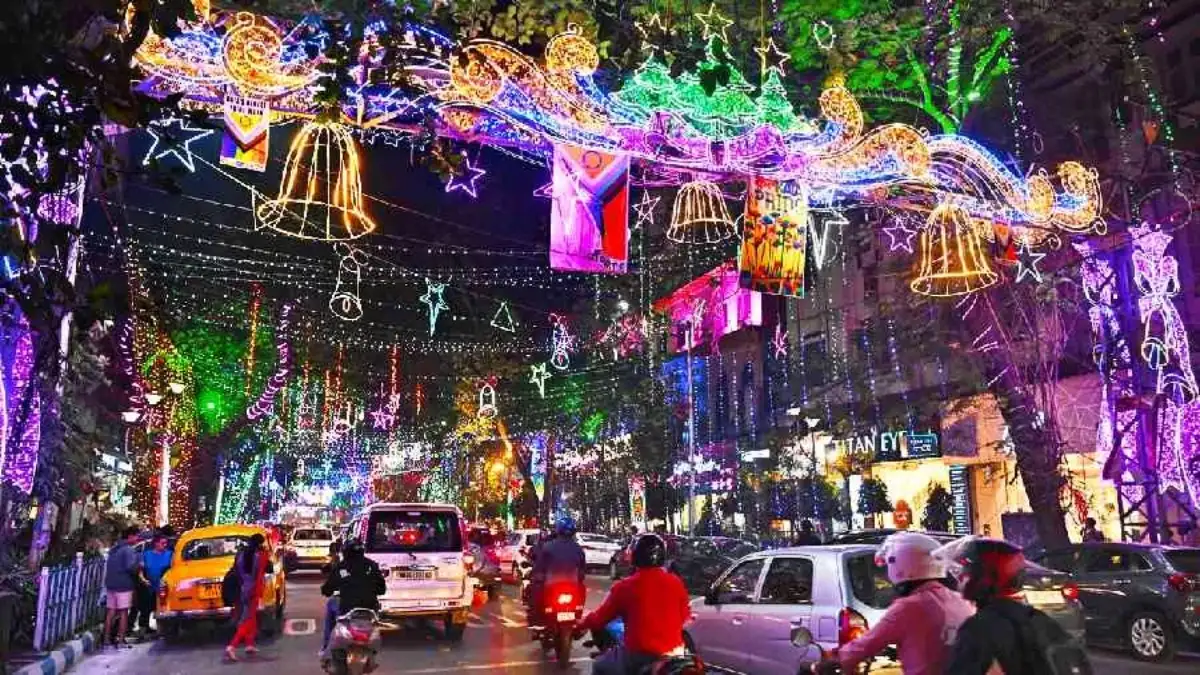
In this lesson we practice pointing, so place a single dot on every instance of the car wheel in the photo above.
(454, 631)
(1149, 637)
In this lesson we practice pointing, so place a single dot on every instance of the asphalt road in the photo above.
(496, 641)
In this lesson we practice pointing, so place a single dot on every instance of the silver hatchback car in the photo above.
(745, 622)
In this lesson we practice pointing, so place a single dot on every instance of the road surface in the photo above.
(496, 642)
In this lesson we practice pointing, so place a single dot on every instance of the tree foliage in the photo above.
(939, 509)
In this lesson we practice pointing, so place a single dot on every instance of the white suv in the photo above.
(308, 548)
(421, 550)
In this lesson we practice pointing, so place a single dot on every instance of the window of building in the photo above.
(789, 582)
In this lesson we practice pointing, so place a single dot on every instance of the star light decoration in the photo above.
(466, 180)
(1027, 263)
(715, 24)
(771, 57)
(382, 419)
(645, 210)
(653, 32)
(900, 236)
(186, 159)
(779, 342)
(541, 373)
(434, 300)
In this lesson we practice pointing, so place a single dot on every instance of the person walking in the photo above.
(1090, 532)
(156, 559)
(252, 564)
(120, 579)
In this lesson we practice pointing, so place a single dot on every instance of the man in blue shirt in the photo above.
(155, 562)
(119, 584)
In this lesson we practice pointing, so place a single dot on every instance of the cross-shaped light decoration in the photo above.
(434, 300)
(541, 373)
(715, 24)
(1027, 262)
(779, 342)
(645, 210)
(175, 149)
(466, 180)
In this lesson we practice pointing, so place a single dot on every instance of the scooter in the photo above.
(827, 663)
(683, 663)
(354, 644)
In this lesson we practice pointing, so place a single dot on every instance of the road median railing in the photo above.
(69, 600)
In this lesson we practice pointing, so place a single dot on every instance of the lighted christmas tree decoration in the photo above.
(779, 342)
(320, 195)
(344, 303)
(466, 180)
(487, 401)
(434, 300)
(503, 319)
(645, 210)
(700, 215)
(179, 148)
(541, 373)
(952, 259)
(1027, 263)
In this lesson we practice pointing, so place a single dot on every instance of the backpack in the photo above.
(231, 585)
(1060, 654)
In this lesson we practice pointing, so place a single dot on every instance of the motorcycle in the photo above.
(485, 569)
(612, 635)
(354, 644)
(562, 609)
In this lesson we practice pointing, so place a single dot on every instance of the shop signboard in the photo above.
(890, 446)
(960, 491)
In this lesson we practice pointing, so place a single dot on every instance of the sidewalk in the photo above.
(57, 660)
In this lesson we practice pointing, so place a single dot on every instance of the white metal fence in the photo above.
(69, 600)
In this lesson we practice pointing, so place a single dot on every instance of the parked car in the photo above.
(191, 588)
(597, 548)
(620, 564)
(513, 551)
(701, 559)
(837, 592)
(309, 548)
(1145, 597)
(876, 536)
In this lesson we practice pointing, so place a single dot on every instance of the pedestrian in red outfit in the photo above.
(253, 564)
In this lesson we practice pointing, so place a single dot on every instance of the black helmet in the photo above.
(353, 548)
(649, 550)
(990, 569)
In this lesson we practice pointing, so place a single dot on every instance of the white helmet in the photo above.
(909, 557)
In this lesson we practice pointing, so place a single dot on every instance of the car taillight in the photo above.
(1070, 592)
(468, 561)
(1184, 583)
(851, 626)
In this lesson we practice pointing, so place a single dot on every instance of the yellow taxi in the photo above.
(191, 588)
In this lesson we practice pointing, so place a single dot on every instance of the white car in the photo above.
(308, 548)
(421, 550)
(598, 549)
(514, 550)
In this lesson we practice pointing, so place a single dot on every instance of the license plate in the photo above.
(1043, 597)
(566, 616)
(210, 592)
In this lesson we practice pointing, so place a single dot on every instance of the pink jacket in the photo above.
(922, 625)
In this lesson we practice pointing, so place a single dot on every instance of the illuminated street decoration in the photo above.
(713, 305)
(466, 180)
(700, 215)
(823, 33)
(503, 320)
(180, 149)
(541, 373)
(645, 210)
(382, 419)
(434, 301)
(779, 342)
(952, 259)
(487, 401)
(1027, 263)
(320, 194)
(265, 404)
(900, 235)
(715, 24)
(561, 343)
(345, 303)
(824, 225)
(24, 429)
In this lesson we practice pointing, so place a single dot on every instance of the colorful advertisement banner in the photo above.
(637, 502)
(537, 464)
(773, 237)
(246, 141)
(589, 222)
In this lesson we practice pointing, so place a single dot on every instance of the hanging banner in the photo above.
(637, 502)
(589, 221)
(537, 464)
(773, 237)
(245, 143)
(960, 490)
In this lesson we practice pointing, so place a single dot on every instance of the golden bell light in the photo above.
(320, 194)
(700, 215)
(952, 258)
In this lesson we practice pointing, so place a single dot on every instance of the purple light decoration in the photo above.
(725, 307)
(466, 181)
(900, 236)
(382, 419)
(265, 404)
(21, 451)
(779, 342)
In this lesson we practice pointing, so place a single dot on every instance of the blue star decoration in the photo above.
(1027, 263)
(434, 300)
(466, 180)
(179, 148)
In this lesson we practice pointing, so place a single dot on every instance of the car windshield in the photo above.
(414, 532)
(869, 582)
(213, 547)
(596, 539)
(1184, 560)
(312, 535)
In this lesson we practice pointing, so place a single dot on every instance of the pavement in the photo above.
(496, 641)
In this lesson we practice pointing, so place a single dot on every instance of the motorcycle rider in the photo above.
(1005, 631)
(560, 557)
(923, 619)
(654, 606)
(358, 582)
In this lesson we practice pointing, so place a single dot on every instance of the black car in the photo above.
(876, 537)
(701, 560)
(1145, 597)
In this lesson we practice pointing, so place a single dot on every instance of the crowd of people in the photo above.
(131, 582)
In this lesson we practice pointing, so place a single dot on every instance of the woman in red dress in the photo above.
(252, 564)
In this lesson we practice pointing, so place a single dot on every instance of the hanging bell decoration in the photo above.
(953, 260)
(320, 196)
(700, 215)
